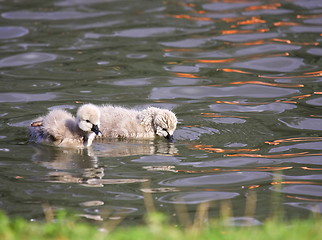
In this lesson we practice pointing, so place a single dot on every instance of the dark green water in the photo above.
(243, 77)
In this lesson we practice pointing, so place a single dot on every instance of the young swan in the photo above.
(62, 129)
(118, 122)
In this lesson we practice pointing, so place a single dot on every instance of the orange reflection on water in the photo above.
(245, 104)
(306, 75)
(232, 19)
(232, 102)
(186, 75)
(292, 140)
(282, 24)
(296, 43)
(253, 20)
(215, 60)
(210, 149)
(271, 6)
(308, 16)
(318, 73)
(286, 101)
(284, 155)
(304, 198)
(256, 169)
(302, 96)
(294, 182)
(259, 42)
(210, 170)
(273, 168)
(235, 31)
(282, 40)
(310, 74)
(211, 115)
(234, 70)
(311, 169)
(268, 84)
(188, 17)
(315, 116)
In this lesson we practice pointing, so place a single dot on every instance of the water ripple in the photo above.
(265, 48)
(315, 102)
(311, 146)
(306, 190)
(199, 92)
(227, 179)
(246, 37)
(315, 51)
(196, 197)
(310, 206)
(24, 97)
(265, 108)
(12, 32)
(157, 159)
(145, 32)
(60, 15)
(305, 29)
(230, 163)
(302, 123)
(272, 64)
(26, 59)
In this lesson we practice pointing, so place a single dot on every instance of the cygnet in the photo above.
(119, 122)
(62, 129)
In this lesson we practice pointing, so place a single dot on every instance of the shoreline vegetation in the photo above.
(157, 227)
(61, 225)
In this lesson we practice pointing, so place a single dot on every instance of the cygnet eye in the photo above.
(88, 121)
(164, 129)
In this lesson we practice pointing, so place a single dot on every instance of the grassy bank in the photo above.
(156, 228)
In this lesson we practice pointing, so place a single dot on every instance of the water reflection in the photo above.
(302, 123)
(117, 148)
(227, 179)
(198, 92)
(262, 108)
(312, 206)
(246, 37)
(60, 15)
(26, 58)
(82, 165)
(302, 189)
(25, 97)
(273, 64)
(312, 146)
(196, 197)
(12, 32)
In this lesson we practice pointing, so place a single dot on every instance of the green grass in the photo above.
(156, 228)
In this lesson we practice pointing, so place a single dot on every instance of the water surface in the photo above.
(243, 77)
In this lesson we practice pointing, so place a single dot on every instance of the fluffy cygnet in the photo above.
(62, 129)
(119, 122)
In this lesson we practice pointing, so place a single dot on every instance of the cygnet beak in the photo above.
(169, 138)
(96, 130)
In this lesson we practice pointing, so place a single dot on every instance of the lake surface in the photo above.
(243, 77)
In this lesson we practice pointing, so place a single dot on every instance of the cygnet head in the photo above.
(88, 117)
(165, 122)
